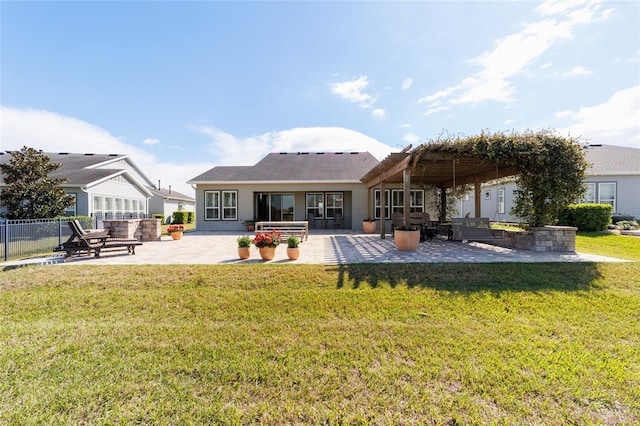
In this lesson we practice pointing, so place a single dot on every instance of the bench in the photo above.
(474, 229)
(286, 229)
(98, 241)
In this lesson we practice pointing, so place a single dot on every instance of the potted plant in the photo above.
(369, 226)
(250, 224)
(407, 238)
(175, 231)
(244, 247)
(267, 243)
(293, 249)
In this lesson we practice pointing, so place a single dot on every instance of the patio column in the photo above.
(383, 208)
(406, 189)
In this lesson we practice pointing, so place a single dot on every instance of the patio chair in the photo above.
(397, 220)
(311, 218)
(337, 220)
(98, 241)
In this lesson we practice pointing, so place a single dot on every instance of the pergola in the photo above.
(443, 165)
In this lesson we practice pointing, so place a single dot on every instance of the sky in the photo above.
(184, 86)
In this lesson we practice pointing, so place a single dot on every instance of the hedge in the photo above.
(586, 217)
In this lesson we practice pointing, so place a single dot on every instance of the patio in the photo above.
(323, 247)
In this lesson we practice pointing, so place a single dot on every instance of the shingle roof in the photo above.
(74, 166)
(612, 160)
(171, 194)
(296, 166)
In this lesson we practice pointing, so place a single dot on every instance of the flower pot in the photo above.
(267, 253)
(244, 252)
(406, 240)
(293, 252)
(176, 235)
(369, 226)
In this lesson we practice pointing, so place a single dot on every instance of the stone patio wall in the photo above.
(543, 239)
(139, 229)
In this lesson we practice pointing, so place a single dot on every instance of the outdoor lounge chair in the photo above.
(99, 241)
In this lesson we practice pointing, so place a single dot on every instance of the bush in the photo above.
(179, 217)
(190, 217)
(158, 216)
(586, 217)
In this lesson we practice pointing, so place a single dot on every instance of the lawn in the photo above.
(309, 344)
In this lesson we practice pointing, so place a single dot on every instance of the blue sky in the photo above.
(184, 86)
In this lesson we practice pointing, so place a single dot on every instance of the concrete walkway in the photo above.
(329, 248)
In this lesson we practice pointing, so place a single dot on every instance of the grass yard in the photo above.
(357, 344)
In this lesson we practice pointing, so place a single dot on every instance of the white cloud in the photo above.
(379, 113)
(615, 122)
(352, 91)
(51, 132)
(406, 84)
(235, 151)
(435, 110)
(151, 141)
(577, 71)
(405, 125)
(513, 54)
(411, 138)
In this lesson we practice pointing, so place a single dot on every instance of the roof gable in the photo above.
(296, 166)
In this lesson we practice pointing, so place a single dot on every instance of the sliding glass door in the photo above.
(275, 207)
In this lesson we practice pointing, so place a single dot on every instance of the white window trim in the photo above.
(220, 208)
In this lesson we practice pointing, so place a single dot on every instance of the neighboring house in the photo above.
(166, 201)
(285, 186)
(104, 185)
(613, 178)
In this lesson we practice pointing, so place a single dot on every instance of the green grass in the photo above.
(621, 246)
(310, 344)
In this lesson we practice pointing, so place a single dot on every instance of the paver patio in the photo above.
(339, 247)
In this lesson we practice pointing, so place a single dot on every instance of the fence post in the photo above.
(59, 231)
(5, 223)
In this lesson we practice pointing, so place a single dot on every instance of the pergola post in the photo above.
(478, 189)
(443, 204)
(406, 189)
(383, 209)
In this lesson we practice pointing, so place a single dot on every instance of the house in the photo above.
(166, 201)
(283, 187)
(106, 186)
(612, 178)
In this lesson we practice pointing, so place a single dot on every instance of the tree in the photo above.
(29, 192)
(551, 173)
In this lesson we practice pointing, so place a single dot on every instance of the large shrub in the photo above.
(586, 217)
(179, 217)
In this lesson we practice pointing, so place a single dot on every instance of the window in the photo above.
(127, 205)
(607, 194)
(97, 205)
(501, 200)
(211, 205)
(416, 201)
(590, 194)
(220, 205)
(229, 205)
(315, 204)
(377, 203)
(71, 210)
(335, 201)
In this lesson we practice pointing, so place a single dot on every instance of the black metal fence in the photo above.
(22, 238)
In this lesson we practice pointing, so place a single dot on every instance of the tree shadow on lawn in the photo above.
(472, 277)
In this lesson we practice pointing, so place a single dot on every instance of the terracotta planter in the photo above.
(369, 226)
(244, 252)
(406, 240)
(176, 235)
(293, 252)
(267, 253)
